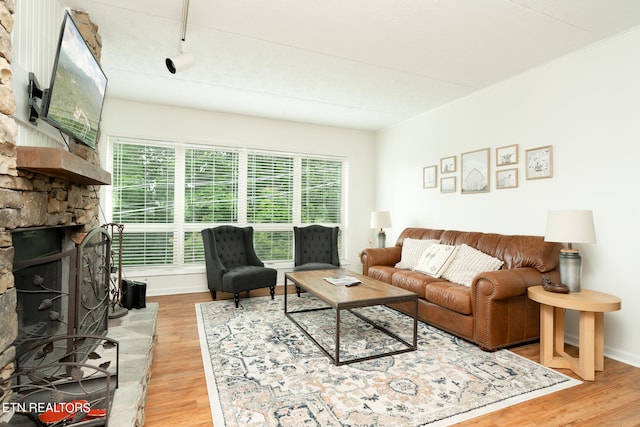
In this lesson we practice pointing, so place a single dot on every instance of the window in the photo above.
(210, 195)
(211, 186)
(164, 194)
(270, 202)
(143, 199)
(269, 189)
(321, 191)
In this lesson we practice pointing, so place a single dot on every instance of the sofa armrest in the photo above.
(380, 256)
(505, 284)
(502, 312)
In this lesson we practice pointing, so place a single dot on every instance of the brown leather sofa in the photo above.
(494, 312)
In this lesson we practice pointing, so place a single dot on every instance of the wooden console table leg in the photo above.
(599, 342)
(587, 345)
(558, 331)
(546, 334)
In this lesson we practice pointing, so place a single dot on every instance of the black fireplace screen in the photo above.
(66, 368)
(93, 279)
(60, 291)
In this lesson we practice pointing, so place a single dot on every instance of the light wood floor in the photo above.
(177, 393)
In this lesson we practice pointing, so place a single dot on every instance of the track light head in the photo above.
(180, 62)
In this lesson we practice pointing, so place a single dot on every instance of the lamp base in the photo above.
(381, 239)
(570, 267)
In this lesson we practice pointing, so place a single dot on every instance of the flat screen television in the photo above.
(75, 97)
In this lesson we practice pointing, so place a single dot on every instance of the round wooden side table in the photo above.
(592, 305)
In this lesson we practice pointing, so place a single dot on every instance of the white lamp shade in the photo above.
(570, 226)
(381, 219)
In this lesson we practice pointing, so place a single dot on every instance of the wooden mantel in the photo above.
(62, 164)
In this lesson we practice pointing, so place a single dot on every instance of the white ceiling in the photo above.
(363, 64)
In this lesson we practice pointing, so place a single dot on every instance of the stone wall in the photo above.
(28, 199)
(8, 173)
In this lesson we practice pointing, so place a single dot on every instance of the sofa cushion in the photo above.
(449, 295)
(435, 259)
(381, 272)
(412, 281)
(412, 249)
(469, 262)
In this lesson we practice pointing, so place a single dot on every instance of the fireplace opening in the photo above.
(41, 272)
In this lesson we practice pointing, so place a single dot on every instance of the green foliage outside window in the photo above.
(145, 197)
(321, 191)
(144, 185)
(193, 248)
(211, 186)
(273, 245)
(269, 189)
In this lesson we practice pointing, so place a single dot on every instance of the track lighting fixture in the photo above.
(183, 60)
(180, 62)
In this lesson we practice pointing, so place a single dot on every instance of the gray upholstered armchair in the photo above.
(232, 263)
(316, 248)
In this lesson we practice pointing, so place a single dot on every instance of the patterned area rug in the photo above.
(262, 370)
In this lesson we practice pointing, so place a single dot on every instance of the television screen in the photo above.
(76, 93)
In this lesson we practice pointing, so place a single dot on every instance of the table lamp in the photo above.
(381, 220)
(570, 226)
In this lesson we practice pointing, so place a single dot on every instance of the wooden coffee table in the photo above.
(369, 292)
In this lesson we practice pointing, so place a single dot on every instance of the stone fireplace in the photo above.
(40, 188)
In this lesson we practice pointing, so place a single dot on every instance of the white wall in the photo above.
(587, 107)
(136, 120)
(35, 37)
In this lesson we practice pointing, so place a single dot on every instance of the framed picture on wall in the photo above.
(540, 162)
(448, 165)
(506, 178)
(507, 155)
(448, 184)
(474, 174)
(429, 176)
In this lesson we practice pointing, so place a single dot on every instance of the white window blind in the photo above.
(166, 193)
(269, 189)
(210, 193)
(143, 199)
(321, 191)
(211, 186)
(270, 202)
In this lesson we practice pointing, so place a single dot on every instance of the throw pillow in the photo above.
(435, 259)
(468, 263)
(411, 251)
